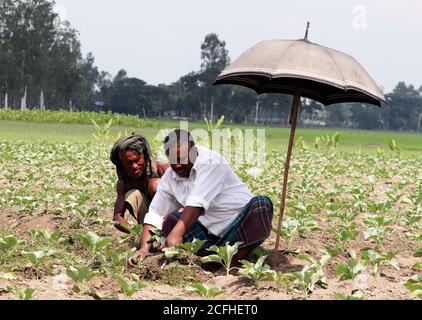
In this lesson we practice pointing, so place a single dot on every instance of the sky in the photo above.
(159, 41)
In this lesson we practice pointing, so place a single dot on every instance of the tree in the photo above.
(40, 57)
(215, 58)
(405, 106)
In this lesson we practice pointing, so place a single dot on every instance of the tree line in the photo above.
(42, 66)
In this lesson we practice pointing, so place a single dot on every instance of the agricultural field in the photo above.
(352, 228)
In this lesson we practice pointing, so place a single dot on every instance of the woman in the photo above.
(138, 175)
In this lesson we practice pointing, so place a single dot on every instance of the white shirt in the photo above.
(212, 185)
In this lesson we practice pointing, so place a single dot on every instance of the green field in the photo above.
(276, 138)
(349, 216)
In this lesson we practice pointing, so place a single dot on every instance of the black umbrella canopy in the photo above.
(302, 67)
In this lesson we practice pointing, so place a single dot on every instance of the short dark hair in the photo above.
(176, 138)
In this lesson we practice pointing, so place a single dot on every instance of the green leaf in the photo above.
(204, 290)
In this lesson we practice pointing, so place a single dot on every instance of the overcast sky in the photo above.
(158, 41)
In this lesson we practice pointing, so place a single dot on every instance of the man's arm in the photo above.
(162, 204)
(189, 216)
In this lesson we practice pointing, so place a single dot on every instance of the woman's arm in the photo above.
(120, 208)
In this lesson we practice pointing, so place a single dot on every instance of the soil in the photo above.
(166, 279)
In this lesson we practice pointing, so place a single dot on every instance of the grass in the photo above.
(276, 138)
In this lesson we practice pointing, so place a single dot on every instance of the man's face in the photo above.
(180, 161)
(133, 163)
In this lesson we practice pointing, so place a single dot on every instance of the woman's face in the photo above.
(133, 163)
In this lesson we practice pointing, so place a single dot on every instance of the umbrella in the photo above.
(303, 69)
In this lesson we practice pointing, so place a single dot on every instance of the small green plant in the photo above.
(190, 249)
(80, 276)
(93, 242)
(7, 245)
(38, 257)
(211, 127)
(330, 141)
(205, 291)
(344, 233)
(282, 279)
(156, 236)
(311, 275)
(21, 294)
(129, 288)
(50, 238)
(352, 268)
(357, 295)
(378, 227)
(414, 285)
(377, 260)
(119, 260)
(256, 271)
(394, 146)
(102, 134)
(289, 230)
(223, 255)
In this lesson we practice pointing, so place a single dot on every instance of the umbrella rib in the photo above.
(284, 53)
(338, 69)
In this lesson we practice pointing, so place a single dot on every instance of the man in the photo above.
(138, 177)
(216, 205)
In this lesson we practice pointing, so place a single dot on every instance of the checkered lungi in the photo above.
(251, 226)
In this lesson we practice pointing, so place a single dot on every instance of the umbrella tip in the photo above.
(307, 30)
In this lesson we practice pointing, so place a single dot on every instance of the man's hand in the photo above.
(172, 240)
(137, 256)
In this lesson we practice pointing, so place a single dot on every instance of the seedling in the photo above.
(283, 279)
(102, 134)
(290, 228)
(256, 271)
(190, 249)
(81, 276)
(311, 275)
(21, 294)
(378, 228)
(129, 288)
(156, 236)
(414, 285)
(38, 257)
(119, 260)
(377, 260)
(223, 256)
(344, 234)
(7, 245)
(358, 295)
(49, 237)
(394, 146)
(93, 242)
(205, 291)
(350, 269)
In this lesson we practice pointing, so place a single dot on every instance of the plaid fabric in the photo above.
(251, 226)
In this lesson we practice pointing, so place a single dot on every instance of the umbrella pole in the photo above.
(294, 114)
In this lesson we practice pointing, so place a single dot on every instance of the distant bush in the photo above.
(83, 117)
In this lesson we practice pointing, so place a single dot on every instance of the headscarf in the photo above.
(138, 143)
